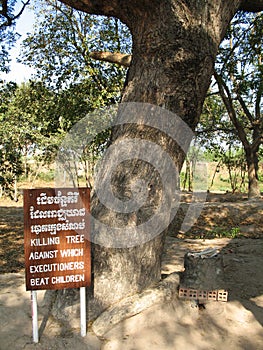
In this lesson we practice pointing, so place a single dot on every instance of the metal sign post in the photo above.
(34, 315)
(83, 322)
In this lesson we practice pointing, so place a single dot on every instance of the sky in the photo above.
(19, 72)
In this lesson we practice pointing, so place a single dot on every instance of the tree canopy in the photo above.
(59, 47)
(239, 77)
(10, 12)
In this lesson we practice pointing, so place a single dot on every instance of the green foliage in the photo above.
(28, 129)
(35, 118)
(10, 156)
(10, 11)
(222, 232)
(232, 116)
(75, 84)
(60, 45)
(7, 40)
(10, 166)
(47, 176)
(240, 56)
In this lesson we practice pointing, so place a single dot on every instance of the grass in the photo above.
(222, 232)
(221, 182)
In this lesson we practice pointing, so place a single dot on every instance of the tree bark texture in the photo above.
(253, 180)
(174, 49)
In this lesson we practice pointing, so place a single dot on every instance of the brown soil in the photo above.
(220, 215)
(11, 239)
(235, 325)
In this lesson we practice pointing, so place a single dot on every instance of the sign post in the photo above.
(83, 322)
(34, 315)
(57, 243)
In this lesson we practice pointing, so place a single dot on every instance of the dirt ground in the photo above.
(235, 325)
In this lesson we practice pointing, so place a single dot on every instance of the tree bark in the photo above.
(118, 9)
(174, 50)
(251, 5)
(253, 180)
(171, 67)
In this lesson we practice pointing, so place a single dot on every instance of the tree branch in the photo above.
(118, 8)
(123, 10)
(258, 101)
(10, 19)
(226, 97)
(257, 142)
(4, 13)
(245, 109)
(211, 130)
(112, 57)
(102, 7)
(108, 8)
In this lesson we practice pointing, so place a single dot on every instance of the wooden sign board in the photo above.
(56, 238)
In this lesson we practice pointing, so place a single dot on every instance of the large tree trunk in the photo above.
(174, 49)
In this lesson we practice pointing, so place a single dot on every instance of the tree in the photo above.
(218, 136)
(175, 44)
(27, 128)
(10, 11)
(60, 45)
(239, 76)
(59, 50)
(34, 120)
(8, 14)
(10, 156)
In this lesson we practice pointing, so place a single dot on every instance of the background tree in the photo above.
(10, 157)
(72, 84)
(34, 120)
(220, 143)
(59, 50)
(10, 11)
(239, 76)
(60, 45)
(27, 126)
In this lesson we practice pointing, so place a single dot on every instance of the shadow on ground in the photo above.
(235, 325)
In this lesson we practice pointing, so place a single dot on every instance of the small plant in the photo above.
(220, 232)
(235, 232)
(47, 176)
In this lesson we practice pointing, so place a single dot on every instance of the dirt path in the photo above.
(235, 325)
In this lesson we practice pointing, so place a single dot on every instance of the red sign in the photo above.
(56, 238)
